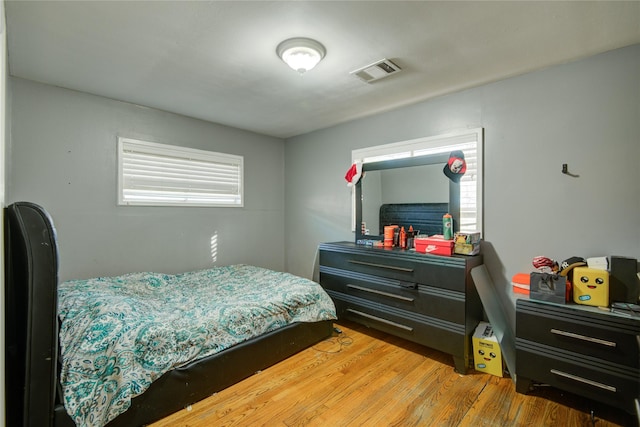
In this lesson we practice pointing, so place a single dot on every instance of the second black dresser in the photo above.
(581, 349)
(427, 299)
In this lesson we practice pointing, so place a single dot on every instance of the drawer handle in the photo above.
(380, 319)
(389, 267)
(375, 291)
(584, 380)
(583, 337)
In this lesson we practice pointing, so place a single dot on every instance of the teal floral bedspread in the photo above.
(119, 334)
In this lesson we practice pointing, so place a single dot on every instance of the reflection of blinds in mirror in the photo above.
(468, 193)
(383, 157)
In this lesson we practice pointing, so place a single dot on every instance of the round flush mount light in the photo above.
(301, 54)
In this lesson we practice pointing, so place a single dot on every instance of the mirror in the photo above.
(418, 187)
(405, 188)
(389, 187)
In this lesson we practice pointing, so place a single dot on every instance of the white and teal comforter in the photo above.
(118, 334)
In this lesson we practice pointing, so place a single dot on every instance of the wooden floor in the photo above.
(367, 378)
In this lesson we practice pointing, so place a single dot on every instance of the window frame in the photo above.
(125, 144)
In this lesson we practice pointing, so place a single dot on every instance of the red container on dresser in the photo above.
(434, 245)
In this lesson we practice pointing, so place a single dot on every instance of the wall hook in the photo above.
(565, 170)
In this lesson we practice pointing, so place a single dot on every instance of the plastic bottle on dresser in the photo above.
(447, 226)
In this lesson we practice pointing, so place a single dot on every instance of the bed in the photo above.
(132, 349)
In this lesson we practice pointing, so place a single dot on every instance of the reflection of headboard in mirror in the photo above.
(426, 218)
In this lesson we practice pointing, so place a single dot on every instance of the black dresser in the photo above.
(427, 299)
(581, 349)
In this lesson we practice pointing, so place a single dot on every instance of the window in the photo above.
(468, 141)
(151, 174)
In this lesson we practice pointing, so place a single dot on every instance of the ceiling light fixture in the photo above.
(300, 53)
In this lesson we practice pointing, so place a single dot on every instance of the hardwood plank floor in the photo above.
(364, 377)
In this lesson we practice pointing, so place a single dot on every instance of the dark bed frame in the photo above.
(31, 364)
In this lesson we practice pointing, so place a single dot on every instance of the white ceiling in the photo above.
(215, 60)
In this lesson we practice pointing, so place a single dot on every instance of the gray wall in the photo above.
(62, 155)
(586, 114)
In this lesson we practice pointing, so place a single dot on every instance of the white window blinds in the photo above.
(151, 174)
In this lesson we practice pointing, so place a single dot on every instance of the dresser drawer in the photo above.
(435, 333)
(601, 381)
(440, 273)
(433, 302)
(584, 332)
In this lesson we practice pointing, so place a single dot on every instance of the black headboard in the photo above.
(31, 283)
(425, 217)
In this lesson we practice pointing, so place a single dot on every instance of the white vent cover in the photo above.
(376, 71)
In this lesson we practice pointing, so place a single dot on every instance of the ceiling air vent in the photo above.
(376, 71)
